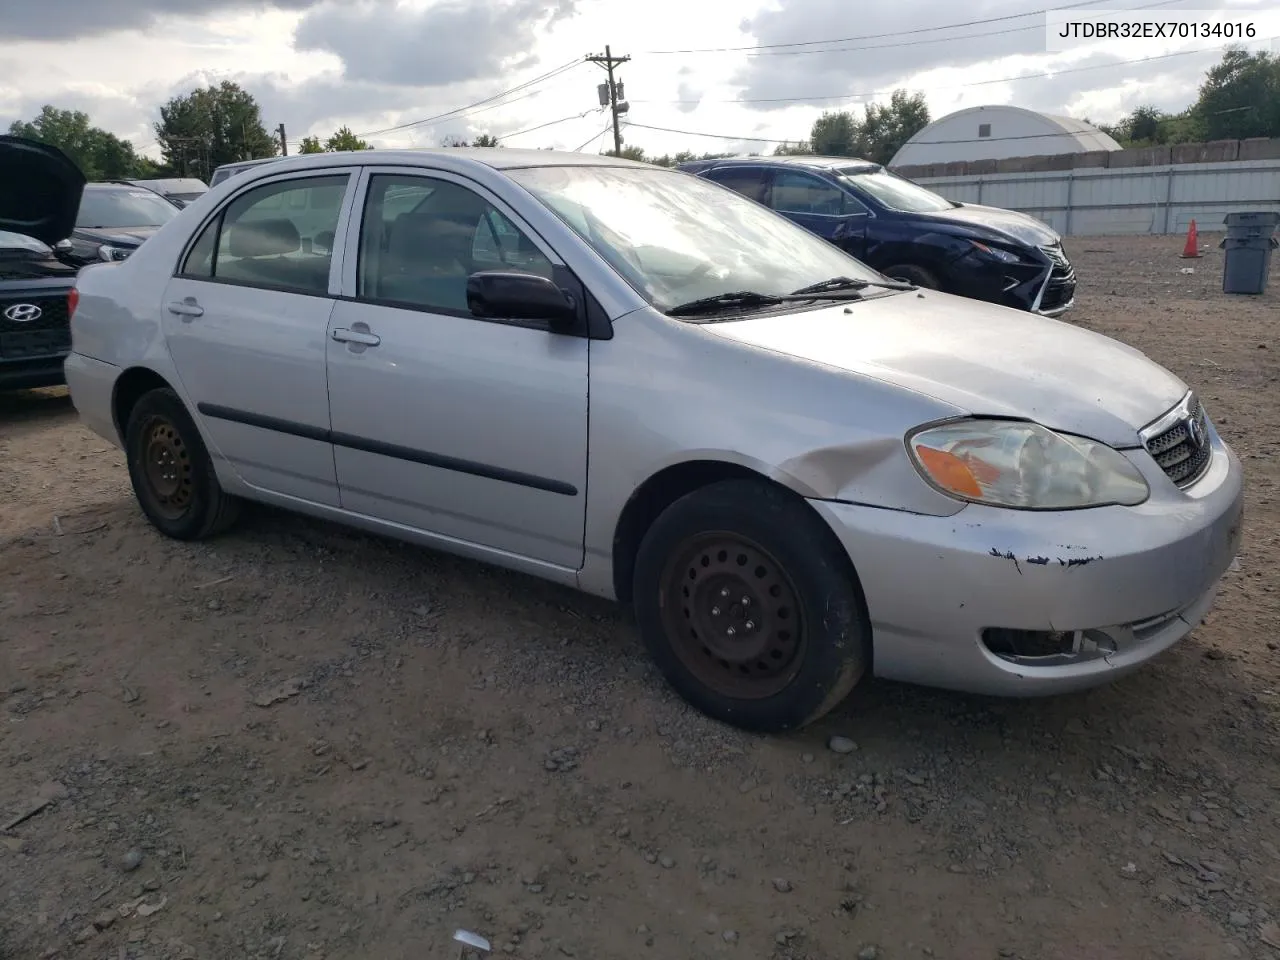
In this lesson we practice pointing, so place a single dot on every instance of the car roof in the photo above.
(498, 158)
(235, 164)
(808, 161)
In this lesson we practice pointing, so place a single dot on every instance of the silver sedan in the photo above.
(638, 383)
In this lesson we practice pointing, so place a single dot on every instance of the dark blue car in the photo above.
(907, 232)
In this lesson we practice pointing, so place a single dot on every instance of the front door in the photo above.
(822, 208)
(246, 321)
(473, 430)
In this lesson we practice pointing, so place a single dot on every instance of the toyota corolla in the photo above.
(641, 384)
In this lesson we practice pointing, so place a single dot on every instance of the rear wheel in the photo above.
(171, 472)
(747, 604)
(911, 273)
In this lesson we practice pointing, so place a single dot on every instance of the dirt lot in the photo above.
(448, 746)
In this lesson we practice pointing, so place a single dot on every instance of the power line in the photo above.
(468, 113)
(715, 136)
(577, 61)
(766, 52)
(607, 127)
(881, 36)
(550, 123)
(953, 86)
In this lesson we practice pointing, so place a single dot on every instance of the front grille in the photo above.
(1061, 285)
(1176, 449)
(1057, 256)
(47, 335)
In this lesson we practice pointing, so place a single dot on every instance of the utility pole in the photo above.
(284, 144)
(611, 93)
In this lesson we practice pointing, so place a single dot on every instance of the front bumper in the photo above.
(1046, 287)
(1143, 577)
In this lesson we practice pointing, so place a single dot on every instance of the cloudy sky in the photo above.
(747, 71)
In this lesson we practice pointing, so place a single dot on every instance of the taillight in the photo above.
(73, 301)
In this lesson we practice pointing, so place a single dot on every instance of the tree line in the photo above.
(199, 131)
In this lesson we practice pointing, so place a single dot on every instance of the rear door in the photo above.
(245, 320)
(822, 208)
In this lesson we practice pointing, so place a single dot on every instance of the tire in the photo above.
(171, 472)
(913, 274)
(745, 540)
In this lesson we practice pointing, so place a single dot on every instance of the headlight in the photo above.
(112, 254)
(995, 253)
(1008, 463)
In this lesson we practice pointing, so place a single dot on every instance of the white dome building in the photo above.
(997, 133)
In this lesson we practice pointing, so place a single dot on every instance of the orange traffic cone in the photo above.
(1192, 247)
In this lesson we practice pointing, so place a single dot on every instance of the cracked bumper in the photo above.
(1146, 576)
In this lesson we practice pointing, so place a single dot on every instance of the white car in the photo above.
(642, 384)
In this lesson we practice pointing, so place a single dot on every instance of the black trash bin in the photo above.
(1248, 246)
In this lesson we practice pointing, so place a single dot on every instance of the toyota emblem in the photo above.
(23, 313)
(1195, 430)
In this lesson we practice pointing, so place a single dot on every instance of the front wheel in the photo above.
(748, 606)
(171, 472)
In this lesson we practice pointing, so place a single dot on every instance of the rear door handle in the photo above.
(346, 335)
(187, 308)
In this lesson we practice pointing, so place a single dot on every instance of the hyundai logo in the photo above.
(23, 313)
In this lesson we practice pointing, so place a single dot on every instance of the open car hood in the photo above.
(42, 189)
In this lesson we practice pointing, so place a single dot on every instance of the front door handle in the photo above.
(186, 308)
(346, 335)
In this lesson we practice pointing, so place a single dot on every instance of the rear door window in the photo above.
(748, 181)
(279, 235)
(803, 193)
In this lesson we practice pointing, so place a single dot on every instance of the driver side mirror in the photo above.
(510, 295)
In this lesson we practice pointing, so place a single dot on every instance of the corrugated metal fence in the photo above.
(1101, 201)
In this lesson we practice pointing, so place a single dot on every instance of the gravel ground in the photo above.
(300, 742)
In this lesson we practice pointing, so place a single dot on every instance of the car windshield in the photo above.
(118, 208)
(897, 193)
(678, 238)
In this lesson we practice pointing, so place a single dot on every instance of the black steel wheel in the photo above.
(171, 472)
(750, 607)
(166, 464)
(735, 621)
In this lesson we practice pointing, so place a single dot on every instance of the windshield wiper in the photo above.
(747, 299)
(845, 283)
(725, 301)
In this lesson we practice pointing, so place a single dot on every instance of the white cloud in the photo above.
(376, 64)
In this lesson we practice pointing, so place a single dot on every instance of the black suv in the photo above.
(907, 232)
(40, 192)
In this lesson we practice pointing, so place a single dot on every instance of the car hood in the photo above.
(118, 236)
(983, 359)
(1011, 223)
(19, 244)
(42, 189)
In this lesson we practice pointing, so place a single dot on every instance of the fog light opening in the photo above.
(1046, 647)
